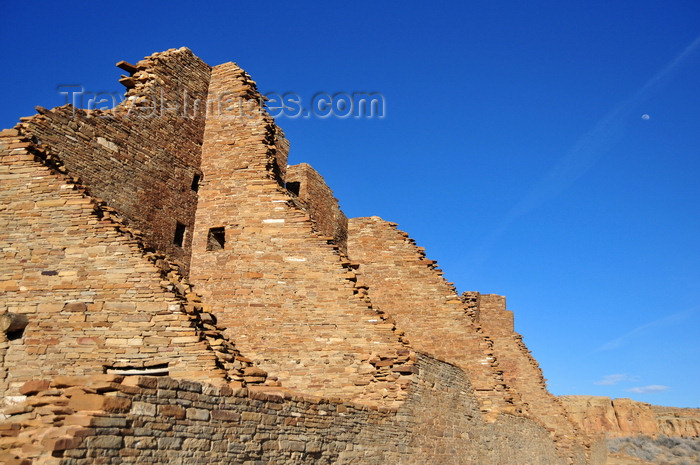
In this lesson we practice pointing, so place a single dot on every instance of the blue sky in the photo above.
(513, 147)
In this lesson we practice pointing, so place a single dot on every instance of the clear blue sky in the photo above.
(513, 148)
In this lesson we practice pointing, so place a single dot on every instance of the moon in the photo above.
(645, 117)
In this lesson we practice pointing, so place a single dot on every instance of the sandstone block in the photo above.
(197, 414)
(33, 387)
(171, 411)
(86, 402)
(54, 444)
(105, 442)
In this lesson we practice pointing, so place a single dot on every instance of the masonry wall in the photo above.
(92, 296)
(284, 292)
(449, 427)
(406, 285)
(99, 419)
(89, 209)
(317, 198)
(142, 157)
(625, 417)
(523, 373)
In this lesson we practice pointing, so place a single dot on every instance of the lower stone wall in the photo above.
(147, 420)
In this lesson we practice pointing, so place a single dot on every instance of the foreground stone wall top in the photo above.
(169, 237)
(146, 420)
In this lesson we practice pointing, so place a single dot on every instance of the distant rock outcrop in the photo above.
(626, 417)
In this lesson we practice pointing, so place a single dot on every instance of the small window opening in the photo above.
(293, 187)
(179, 234)
(195, 182)
(216, 239)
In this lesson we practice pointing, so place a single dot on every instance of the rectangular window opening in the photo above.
(293, 187)
(179, 238)
(216, 239)
(195, 182)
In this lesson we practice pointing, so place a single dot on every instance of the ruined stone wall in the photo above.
(523, 373)
(268, 271)
(404, 284)
(492, 314)
(317, 198)
(93, 297)
(285, 293)
(160, 420)
(145, 420)
(625, 417)
(407, 286)
(141, 158)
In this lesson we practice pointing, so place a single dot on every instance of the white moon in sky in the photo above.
(645, 116)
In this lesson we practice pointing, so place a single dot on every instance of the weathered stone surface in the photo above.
(154, 252)
(474, 333)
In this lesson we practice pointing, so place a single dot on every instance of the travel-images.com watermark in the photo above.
(158, 103)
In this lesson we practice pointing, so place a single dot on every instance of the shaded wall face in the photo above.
(141, 158)
(449, 428)
(92, 300)
(283, 291)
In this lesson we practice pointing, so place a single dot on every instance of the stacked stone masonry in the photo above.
(317, 198)
(169, 237)
(141, 157)
(408, 287)
(95, 298)
(522, 372)
(146, 420)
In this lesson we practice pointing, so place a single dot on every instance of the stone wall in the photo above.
(151, 237)
(141, 158)
(522, 372)
(317, 199)
(95, 298)
(406, 285)
(449, 427)
(285, 292)
(145, 420)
